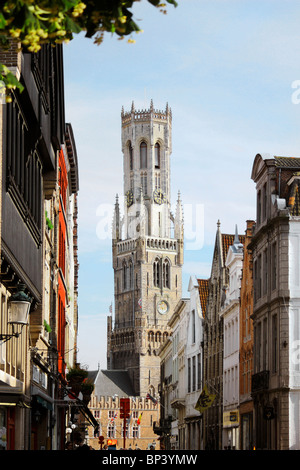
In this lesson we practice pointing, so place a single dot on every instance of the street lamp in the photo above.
(18, 311)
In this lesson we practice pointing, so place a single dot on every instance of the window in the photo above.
(189, 375)
(264, 202)
(156, 277)
(111, 430)
(130, 275)
(157, 155)
(258, 208)
(265, 270)
(265, 344)
(259, 277)
(135, 432)
(274, 343)
(124, 276)
(274, 265)
(194, 373)
(198, 371)
(62, 251)
(143, 155)
(24, 169)
(193, 327)
(130, 152)
(166, 274)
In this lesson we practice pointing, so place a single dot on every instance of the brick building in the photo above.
(111, 386)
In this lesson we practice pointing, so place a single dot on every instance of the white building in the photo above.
(194, 365)
(178, 323)
(230, 314)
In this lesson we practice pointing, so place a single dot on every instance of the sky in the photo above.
(230, 72)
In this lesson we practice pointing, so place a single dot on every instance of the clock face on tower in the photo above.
(162, 307)
(159, 196)
(129, 198)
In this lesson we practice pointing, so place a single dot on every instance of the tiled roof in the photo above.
(203, 293)
(227, 241)
(287, 162)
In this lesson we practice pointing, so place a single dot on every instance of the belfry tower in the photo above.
(147, 249)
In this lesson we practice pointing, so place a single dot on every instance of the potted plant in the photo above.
(75, 377)
(87, 388)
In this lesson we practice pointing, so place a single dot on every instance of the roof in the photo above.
(287, 162)
(203, 293)
(227, 241)
(113, 382)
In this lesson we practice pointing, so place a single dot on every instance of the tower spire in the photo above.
(178, 222)
(116, 221)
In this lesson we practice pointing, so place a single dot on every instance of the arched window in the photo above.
(156, 272)
(166, 274)
(130, 275)
(124, 276)
(143, 155)
(130, 151)
(157, 155)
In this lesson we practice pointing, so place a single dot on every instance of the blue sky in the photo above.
(226, 68)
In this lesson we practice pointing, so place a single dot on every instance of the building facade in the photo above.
(194, 365)
(246, 345)
(213, 346)
(136, 431)
(275, 251)
(230, 313)
(147, 249)
(178, 323)
(34, 137)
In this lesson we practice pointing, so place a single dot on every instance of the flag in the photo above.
(139, 419)
(128, 420)
(205, 400)
(113, 417)
(150, 397)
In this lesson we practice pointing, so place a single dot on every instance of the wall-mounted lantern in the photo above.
(18, 311)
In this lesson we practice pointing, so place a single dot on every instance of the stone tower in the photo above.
(147, 249)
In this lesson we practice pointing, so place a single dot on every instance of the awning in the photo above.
(42, 402)
(13, 400)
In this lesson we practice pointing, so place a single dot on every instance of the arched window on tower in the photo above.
(157, 155)
(166, 273)
(156, 273)
(130, 275)
(143, 155)
(124, 276)
(130, 151)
